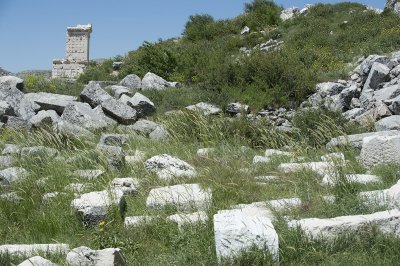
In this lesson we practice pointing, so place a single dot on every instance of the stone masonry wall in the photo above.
(77, 55)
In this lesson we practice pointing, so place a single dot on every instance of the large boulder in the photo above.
(142, 104)
(82, 115)
(51, 101)
(82, 256)
(119, 111)
(12, 82)
(380, 150)
(365, 66)
(239, 230)
(153, 82)
(118, 91)
(388, 123)
(379, 73)
(18, 123)
(377, 111)
(6, 109)
(387, 93)
(184, 197)
(94, 95)
(132, 82)
(44, 119)
(21, 106)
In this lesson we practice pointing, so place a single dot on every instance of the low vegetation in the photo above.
(317, 47)
(160, 242)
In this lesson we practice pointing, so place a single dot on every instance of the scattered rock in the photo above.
(142, 104)
(12, 174)
(136, 158)
(18, 124)
(205, 152)
(321, 168)
(168, 167)
(94, 95)
(82, 115)
(37, 261)
(119, 91)
(115, 156)
(34, 249)
(85, 256)
(114, 139)
(72, 131)
(237, 108)
(89, 174)
(356, 140)
(94, 206)
(137, 220)
(380, 150)
(388, 123)
(11, 82)
(6, 161)
(159, 134)
(353, 178)
(182, 219)
(44, 119)
(153, 82)
(51, 101)
(127, 185)
(132, 82)
(245, 30)
(184, 197)
(206, 109)
(39, 151)
(333, 157)
(385, 221)
(238, 230)
(119, 111)
(143, 127)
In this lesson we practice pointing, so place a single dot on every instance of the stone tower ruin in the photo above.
(77, 55)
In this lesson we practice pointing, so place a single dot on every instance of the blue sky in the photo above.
(33, 31)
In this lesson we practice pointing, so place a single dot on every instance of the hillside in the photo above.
(212, 56)
(258, 140)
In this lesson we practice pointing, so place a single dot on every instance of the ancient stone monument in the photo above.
(77, 56)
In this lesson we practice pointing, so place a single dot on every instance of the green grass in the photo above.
(160, 242)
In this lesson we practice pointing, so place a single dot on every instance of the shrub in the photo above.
(101, 71)
(35, 83)
(157, 58)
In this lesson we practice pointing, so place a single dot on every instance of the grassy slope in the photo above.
(160, 243)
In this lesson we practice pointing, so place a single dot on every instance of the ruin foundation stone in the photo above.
(77, 56)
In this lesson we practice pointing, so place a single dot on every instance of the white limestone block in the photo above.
(185, 197)
(238, 230)
(386, 221)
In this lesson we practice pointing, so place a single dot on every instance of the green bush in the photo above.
(157, 58)
(101, 71)
(35, 83)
